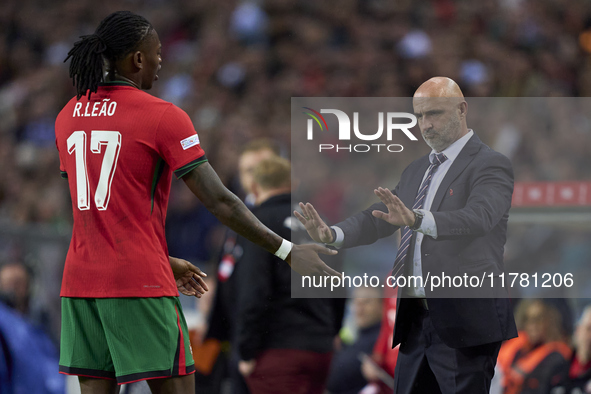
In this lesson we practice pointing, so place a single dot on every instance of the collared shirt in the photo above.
(428, 225)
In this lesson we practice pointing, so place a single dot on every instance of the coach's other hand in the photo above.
(315, 226)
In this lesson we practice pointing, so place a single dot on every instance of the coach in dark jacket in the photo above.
(285, 343)
(452, 208)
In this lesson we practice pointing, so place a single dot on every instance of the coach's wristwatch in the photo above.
(418, 219)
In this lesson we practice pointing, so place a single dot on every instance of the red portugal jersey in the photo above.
(118, 151)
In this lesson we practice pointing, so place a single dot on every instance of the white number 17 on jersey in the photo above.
(98, 139)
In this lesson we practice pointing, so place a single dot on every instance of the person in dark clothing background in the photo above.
(576, 377)
(537, 358)
(285, 343)
(16, 283)
(345, 375)
(221, 320)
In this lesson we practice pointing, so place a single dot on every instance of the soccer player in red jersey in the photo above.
(118, 147)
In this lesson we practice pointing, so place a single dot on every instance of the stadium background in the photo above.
(233, 67)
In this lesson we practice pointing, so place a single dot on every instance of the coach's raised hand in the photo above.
(315, 226)
(398, 214)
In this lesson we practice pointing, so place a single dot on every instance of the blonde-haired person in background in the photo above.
(221, 321)
(285, 343)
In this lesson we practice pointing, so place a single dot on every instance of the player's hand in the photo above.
(189, 278)
(246, 367)
(316, 228)
(398, 214)
(304, 260)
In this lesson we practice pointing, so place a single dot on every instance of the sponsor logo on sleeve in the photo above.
(189, 142)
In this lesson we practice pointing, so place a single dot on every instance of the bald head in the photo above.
(439, 87)
(441, 110)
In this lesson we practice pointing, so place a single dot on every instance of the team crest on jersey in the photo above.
(189, 142)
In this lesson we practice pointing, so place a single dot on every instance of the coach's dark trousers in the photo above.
(426, 365)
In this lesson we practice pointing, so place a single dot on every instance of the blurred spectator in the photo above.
(383, 356)
(249, 23)
(252, 154)
(15, 289)
(190, 228)
(234, 65)
(14, 286)
(345, 375)
(221, 321)
(536, 360)
(285, 343)
(577, 377)
(28, 359)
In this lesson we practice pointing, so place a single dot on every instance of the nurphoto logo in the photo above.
(393, 127)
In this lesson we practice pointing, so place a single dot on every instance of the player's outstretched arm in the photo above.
(231, 211)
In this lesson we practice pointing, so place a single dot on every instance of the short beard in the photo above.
(446, 136)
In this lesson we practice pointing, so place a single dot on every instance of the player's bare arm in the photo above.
(231, 211)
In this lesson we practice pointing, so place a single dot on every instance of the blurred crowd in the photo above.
(234, 66)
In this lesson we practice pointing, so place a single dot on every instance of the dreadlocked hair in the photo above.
(116, 36)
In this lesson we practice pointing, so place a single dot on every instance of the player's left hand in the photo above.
(189, 278)
(246, 367)
(398, 214)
